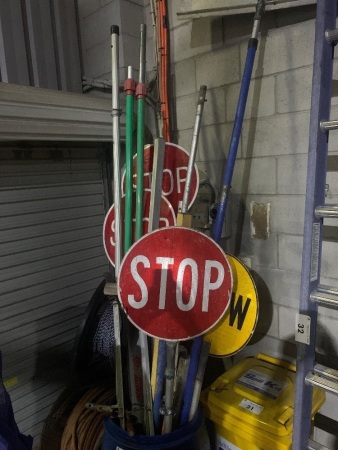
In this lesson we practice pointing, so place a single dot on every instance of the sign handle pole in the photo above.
(159, 351)
(193, 150)
(129, 89)
(185, 219)
(141, 94)
(117, 201)
(169, 386)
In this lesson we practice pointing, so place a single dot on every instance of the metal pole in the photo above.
(116, 112)
(169, 387)
(191, 377)
(141, 93)
(117, 202)
(193, 151)
(129, 89)
(237, 128)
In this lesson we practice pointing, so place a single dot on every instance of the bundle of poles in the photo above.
(172, 382)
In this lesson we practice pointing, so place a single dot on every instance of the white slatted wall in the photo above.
(51, 261)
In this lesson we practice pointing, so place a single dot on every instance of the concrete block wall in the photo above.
(96, 18)
(270, 168)
(272, 155)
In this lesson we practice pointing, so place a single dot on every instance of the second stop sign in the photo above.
(175, 283)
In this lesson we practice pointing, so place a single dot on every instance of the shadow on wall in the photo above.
(326, 351)
(265, 309)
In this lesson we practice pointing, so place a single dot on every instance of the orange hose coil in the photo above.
(84, 428)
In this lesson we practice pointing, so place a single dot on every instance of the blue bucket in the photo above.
(184, 438)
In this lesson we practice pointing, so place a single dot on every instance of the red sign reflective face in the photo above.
(167, 218)
(175, 168)
(175, 283)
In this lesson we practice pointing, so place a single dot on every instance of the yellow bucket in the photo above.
(251, 405)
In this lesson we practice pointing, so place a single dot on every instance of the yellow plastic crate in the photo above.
(251, 405)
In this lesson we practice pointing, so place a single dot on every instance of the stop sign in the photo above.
(175, 283)
(175, 168)
(167, 218)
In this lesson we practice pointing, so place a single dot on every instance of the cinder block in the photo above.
(334, 99)
(214, 142)
(174, 6)
(213, 113)
(291, 174)
(94, 62)
(290, 252)
(132, 16)
(184, 77)
(261, 99)
(97, 26)
(268, 322)
(287, 319)
(212, 171)
(214, 107)
(218, 68)
(269, 346)
(206, 31)
(283, 134)
(333, 143)
(294, 90)
(327, 340)
(131, 53)
(185, 109)
(283, 285)
(329, 259)
(264, 251)
(287, 214)
(283, 49)
(258, 174)
(182, 46)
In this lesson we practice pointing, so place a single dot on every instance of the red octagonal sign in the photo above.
(175, 283)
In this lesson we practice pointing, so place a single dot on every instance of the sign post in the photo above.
(175, 283)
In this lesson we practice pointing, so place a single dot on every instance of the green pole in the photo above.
(129, 89)
(140, 169)
(141, 92)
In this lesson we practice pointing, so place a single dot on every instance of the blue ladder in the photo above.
(312, 293)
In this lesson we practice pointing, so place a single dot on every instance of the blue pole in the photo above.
(158, 394)
(226, 180)
(191, 376)
(237, 128)
(236, 134)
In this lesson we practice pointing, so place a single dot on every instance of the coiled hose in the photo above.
(84, 427)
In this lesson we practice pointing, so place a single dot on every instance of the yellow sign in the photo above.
(235, 329)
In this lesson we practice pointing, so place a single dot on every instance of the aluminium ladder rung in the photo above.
(327, 211)
(322, 382)
(316, 446)
(328, 125)
(326, 372)
(331, 36)
(325, 296)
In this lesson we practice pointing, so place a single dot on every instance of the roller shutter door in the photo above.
(52, 259)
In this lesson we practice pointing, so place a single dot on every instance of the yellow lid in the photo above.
(257, 393)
